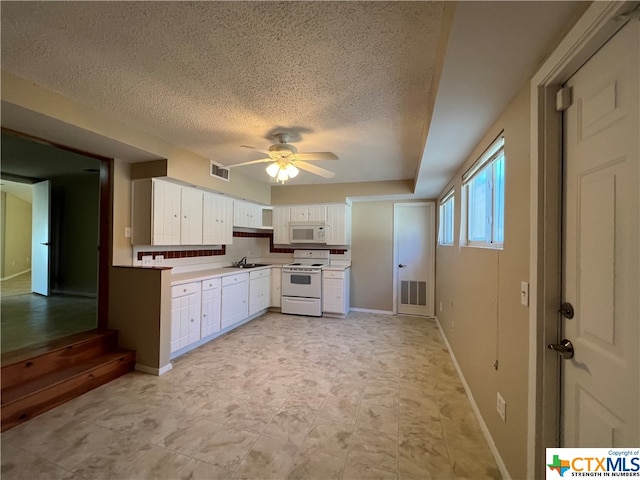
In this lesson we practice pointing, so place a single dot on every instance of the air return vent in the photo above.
(219, 171)
(413, 292)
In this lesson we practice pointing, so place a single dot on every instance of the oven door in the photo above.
(301, 283)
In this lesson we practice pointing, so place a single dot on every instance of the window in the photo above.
(484, 189)
(445, 235)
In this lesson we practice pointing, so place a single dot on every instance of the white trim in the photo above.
(600, 21)
(367, 310)
(152, 370)
(483, 426)
(15, 275)
(488, 156)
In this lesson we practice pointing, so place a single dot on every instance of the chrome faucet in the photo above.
(242, 261)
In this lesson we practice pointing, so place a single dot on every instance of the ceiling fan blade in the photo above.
(316, 170)
(251, 147)
(262, 160)
(310, 156)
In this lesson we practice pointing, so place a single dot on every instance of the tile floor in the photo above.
(366, 397)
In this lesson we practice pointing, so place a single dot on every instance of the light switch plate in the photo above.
(524, 293)
(147, 260)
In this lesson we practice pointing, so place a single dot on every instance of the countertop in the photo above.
(204, 274)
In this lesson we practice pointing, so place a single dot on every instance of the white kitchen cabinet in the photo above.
(190, 216)
(248, 215)
(259, 290)
(235, 299)
(185, 315)
(335, 292)
(165, 213)
(338, 225)
(211, 300)
(217, 220)
(308, 213)
(281, 219)
(276, 287)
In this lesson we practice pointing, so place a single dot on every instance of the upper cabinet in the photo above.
(191, 216)
(217, 220)
(281, 218)
(338, 225)
(165, 213)
(247, 215)
(308, 213)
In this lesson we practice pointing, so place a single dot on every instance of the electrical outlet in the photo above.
(159, 259)
(452, 325)
(501, 407)
(440, 306)
(147, 260)
(524, 293)
(127, 232)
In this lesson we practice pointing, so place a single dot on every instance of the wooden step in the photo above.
(28, 399)
(36, 361)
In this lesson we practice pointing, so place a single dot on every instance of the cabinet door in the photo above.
(217, 220)
(339, 225)
(191, 216)
(281, 218)
(234, 303)
(299, 214)
(332, 295)
(276, 286)
(193, 325)
(166, 213)
(317, 213)
(210, 312)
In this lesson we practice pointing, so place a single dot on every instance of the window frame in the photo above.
(488, 162)
(446, 217)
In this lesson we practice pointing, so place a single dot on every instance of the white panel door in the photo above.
(41, 238)
(414, 258)
(600, 396)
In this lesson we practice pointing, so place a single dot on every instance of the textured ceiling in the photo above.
(353, 78)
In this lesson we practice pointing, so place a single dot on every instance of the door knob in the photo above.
(564, 348)
(566, 310)
(401, 265)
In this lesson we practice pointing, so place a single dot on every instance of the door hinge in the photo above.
(563, 99)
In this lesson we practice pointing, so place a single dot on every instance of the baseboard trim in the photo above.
(152, 370)
(367, 310)
(485, 430)
(15, 275)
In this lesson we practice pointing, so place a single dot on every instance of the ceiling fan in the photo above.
(286, 160)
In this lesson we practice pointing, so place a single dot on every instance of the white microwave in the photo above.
(307, 232)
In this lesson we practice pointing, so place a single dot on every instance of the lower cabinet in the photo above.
(185, 315)
(276, 287)
(235, 299)
(211, 299)
(259, 290)
(335, 292)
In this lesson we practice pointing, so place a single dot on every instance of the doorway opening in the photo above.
(69, 266)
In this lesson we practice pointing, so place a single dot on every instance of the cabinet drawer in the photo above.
(185, 289)
(265, 272)
(236, 278)
(333, 274)
(210, 284)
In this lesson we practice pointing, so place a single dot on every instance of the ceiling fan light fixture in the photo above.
(273, 170)
(292, 170)
(282, 175)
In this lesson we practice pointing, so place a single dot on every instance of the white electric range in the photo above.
(302, 283)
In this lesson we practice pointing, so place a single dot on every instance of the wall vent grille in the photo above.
(219, 171)
(413, 292)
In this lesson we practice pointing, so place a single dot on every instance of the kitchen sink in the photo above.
(248, 265)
